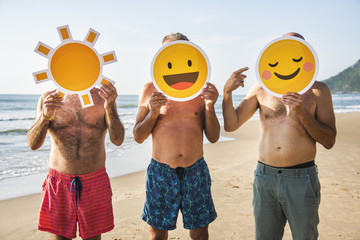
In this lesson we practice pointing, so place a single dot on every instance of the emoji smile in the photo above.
(181, 81)
(288, 77)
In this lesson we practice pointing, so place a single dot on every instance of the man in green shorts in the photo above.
(286, 185)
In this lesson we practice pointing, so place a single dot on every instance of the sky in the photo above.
(231, 32)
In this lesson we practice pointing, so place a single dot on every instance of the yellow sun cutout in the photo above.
(74, 66)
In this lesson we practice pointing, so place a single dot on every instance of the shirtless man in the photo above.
(77, 188)
(286, 184)
(177, 177)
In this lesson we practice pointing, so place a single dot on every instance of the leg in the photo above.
(58, 237)
(302, 204)
(162, 201)
(98, 237)
(269, 217)
(199, 233)
(157, 234)
(197, 206)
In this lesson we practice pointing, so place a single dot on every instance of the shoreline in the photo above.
(231, 165)
(128, 162)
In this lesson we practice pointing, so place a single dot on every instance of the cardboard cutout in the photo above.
(287, 64)
(74, 66)
(180, 69)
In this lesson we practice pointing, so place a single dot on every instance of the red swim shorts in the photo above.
(70, 199)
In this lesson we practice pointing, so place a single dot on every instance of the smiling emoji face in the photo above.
(180, 70)
(287, 64)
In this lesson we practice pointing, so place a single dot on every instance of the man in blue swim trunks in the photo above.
(286, 185)
(177, 177)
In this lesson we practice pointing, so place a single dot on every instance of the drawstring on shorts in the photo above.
(76, 186)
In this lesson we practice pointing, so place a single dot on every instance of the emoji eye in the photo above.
(189, 63)
(297, 60)
(169, 65)
(273, 65)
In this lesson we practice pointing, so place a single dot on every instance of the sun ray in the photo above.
(74, 66)
(105, 80)
(86, 100)
(64, 33)
(61, 94)
(44, 50)
(109, 57)
(41, 76)
(92, 36)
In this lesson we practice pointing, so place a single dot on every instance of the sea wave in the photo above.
(17, 131)
(347, 109)
(6, 118)
(128, 106)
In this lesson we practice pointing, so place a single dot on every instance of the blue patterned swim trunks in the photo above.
(169, 190)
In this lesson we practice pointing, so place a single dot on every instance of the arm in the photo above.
(47, 104)
(113, 123)
(320, 127)
(150, 103)
(212, 126)
(234, 118)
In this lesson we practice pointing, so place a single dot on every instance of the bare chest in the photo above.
(272, 107)
(182, 111)
(72, 115)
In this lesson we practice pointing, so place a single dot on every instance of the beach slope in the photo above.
(231, 164)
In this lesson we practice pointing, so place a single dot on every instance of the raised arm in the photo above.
(116, 129)
(47, 105)
(234, 118)
(150, 103)
(211, 123)
(320, 127)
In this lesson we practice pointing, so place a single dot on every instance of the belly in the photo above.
(77, 152)
(285, 144)
(179, 144)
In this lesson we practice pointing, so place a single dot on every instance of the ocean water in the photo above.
(21, 166)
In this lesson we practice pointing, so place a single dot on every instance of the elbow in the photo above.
(214, 140)
(228, 128)
(33, 146)
(117, 142)
(329, 144)
(138, 139)
(213, 137)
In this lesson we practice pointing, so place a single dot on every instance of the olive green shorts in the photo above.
(282, 195)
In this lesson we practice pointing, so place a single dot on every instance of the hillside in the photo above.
(346, 81)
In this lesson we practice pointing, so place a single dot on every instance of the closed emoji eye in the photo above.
(297, 60)
(273, 65)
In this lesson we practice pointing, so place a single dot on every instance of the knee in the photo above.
(157, 234)
(199, 233)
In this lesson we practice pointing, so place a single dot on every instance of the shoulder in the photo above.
(320, 89)
(149, 87)
(255, 90)
(146, 92)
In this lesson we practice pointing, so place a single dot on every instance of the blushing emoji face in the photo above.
(287, 64)
(180, 69)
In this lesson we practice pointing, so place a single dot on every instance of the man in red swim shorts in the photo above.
(77, 189)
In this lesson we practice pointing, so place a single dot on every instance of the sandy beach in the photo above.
(231, 164)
